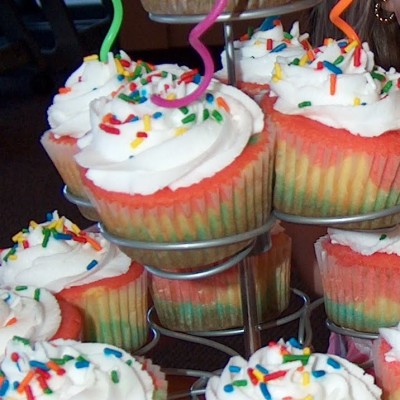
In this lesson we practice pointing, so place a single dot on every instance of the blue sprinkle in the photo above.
(228, 388)
(279, 48)
(342, 44)
(318, 374)
(120, 77)
(333, 68)
(294, 343)
(108, 351)
(197, 79)
(234, 368)
(268, 23)
(156, 115)
(91, 265)
(333, 363)
(265, 392)
(135, 118)
(15, 385)
(39, 364)
(209, 97)
(4, 387)
(49, 217)
(143, 99)
(62, 236)
(82, 364)
(262, 369)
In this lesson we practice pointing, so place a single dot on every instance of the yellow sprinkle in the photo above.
(93, 57)
(120, 68)
(75, 228)
(33, 224)
(147, 122)
(60, 224)
(309, 397)
(306, 351)
(351, 46)
(303, 61)
(278, 73)
(258, 374)
(258, 43)
(137, 142)
(52, 224)
(18, 237)
(171, 96)
(12, 257)
(357, 101)
(306, 378)
(180, 131)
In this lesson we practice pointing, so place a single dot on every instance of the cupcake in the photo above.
(69, 119)
(255, 54)
(68, 369)
(215, 302)
(35, 314)
(337, 121)
(286, 371)
(188, 174)
(359, 273)
(189, 7)
(386, 352)
(85, 270)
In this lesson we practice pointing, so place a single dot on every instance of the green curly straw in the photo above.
(113, 31)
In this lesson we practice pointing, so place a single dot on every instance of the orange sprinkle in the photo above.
(222, 103)
(11, 321)
(94, 243)
(55, 367)
(332, 86)
(310, 55)
(64, 90)
(25, 382)
(244, 37)
(106, 118)
(335, 18)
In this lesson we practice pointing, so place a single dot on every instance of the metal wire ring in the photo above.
(377, 11)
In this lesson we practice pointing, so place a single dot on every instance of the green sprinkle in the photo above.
(240, 382)
(114, 376)
(206, 114)
(184, 110)
(338, 60)
(11, 252)
(164, 74)
(388, 85)
(250, 31)
(47, 390)
(36, 295)
(217, 115)
(377, 76)
(127, 98)
(21, 340)
(137, 72)
(147, 67)
(293, 357)
(59, 361)
(189, 118)
(304, 104)
(129, 362)
(296, 61)
(383, 237)
(19, 288)
(287, 35)
(46, 237)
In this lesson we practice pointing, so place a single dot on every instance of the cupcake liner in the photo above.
(205, 6)
(360, 293)
(326, 172)
(233, 201)
(159, 380)
(215, 302)
(114, 315)
(61, 152)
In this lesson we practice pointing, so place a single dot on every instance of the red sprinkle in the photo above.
(269, 44)
(357, 56)
(14, 357)
(125, 63)
(274, 375)
(64, 90)
(109, 129)
(252, 377)
(141, 135)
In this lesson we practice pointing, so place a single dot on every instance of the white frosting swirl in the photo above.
(77, 371)
(69, 113)
(255, 57)
(392, 337)
(268, 375)
(368, 243)
(56, 255)
(150, 147)
(26, 311)
(342, 88)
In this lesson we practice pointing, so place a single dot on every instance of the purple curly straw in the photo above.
(202, 50)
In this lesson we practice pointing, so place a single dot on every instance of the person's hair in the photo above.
(383, 39)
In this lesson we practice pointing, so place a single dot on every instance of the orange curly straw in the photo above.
(334, 16)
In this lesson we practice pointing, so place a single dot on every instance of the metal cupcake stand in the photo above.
(251, 329)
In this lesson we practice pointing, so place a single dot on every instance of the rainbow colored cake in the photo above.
(359, 273)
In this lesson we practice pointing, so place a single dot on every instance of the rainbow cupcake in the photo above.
(188, 174)
(386, 353)
(359, 273)
(255, 54)
(85, 270)
(286, 370)
(336, 117)
(215, 302)
(68, 369)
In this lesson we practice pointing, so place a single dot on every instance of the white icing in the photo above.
(392, 336)
(378, 111)
(368, 243)
(91, 381)
(61, 263)
(340, 381)
(68, 115)
(254, 62)
(29, 312)
(174, 154)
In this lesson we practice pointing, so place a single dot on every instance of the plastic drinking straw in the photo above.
(335, 18)
(113, 30)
